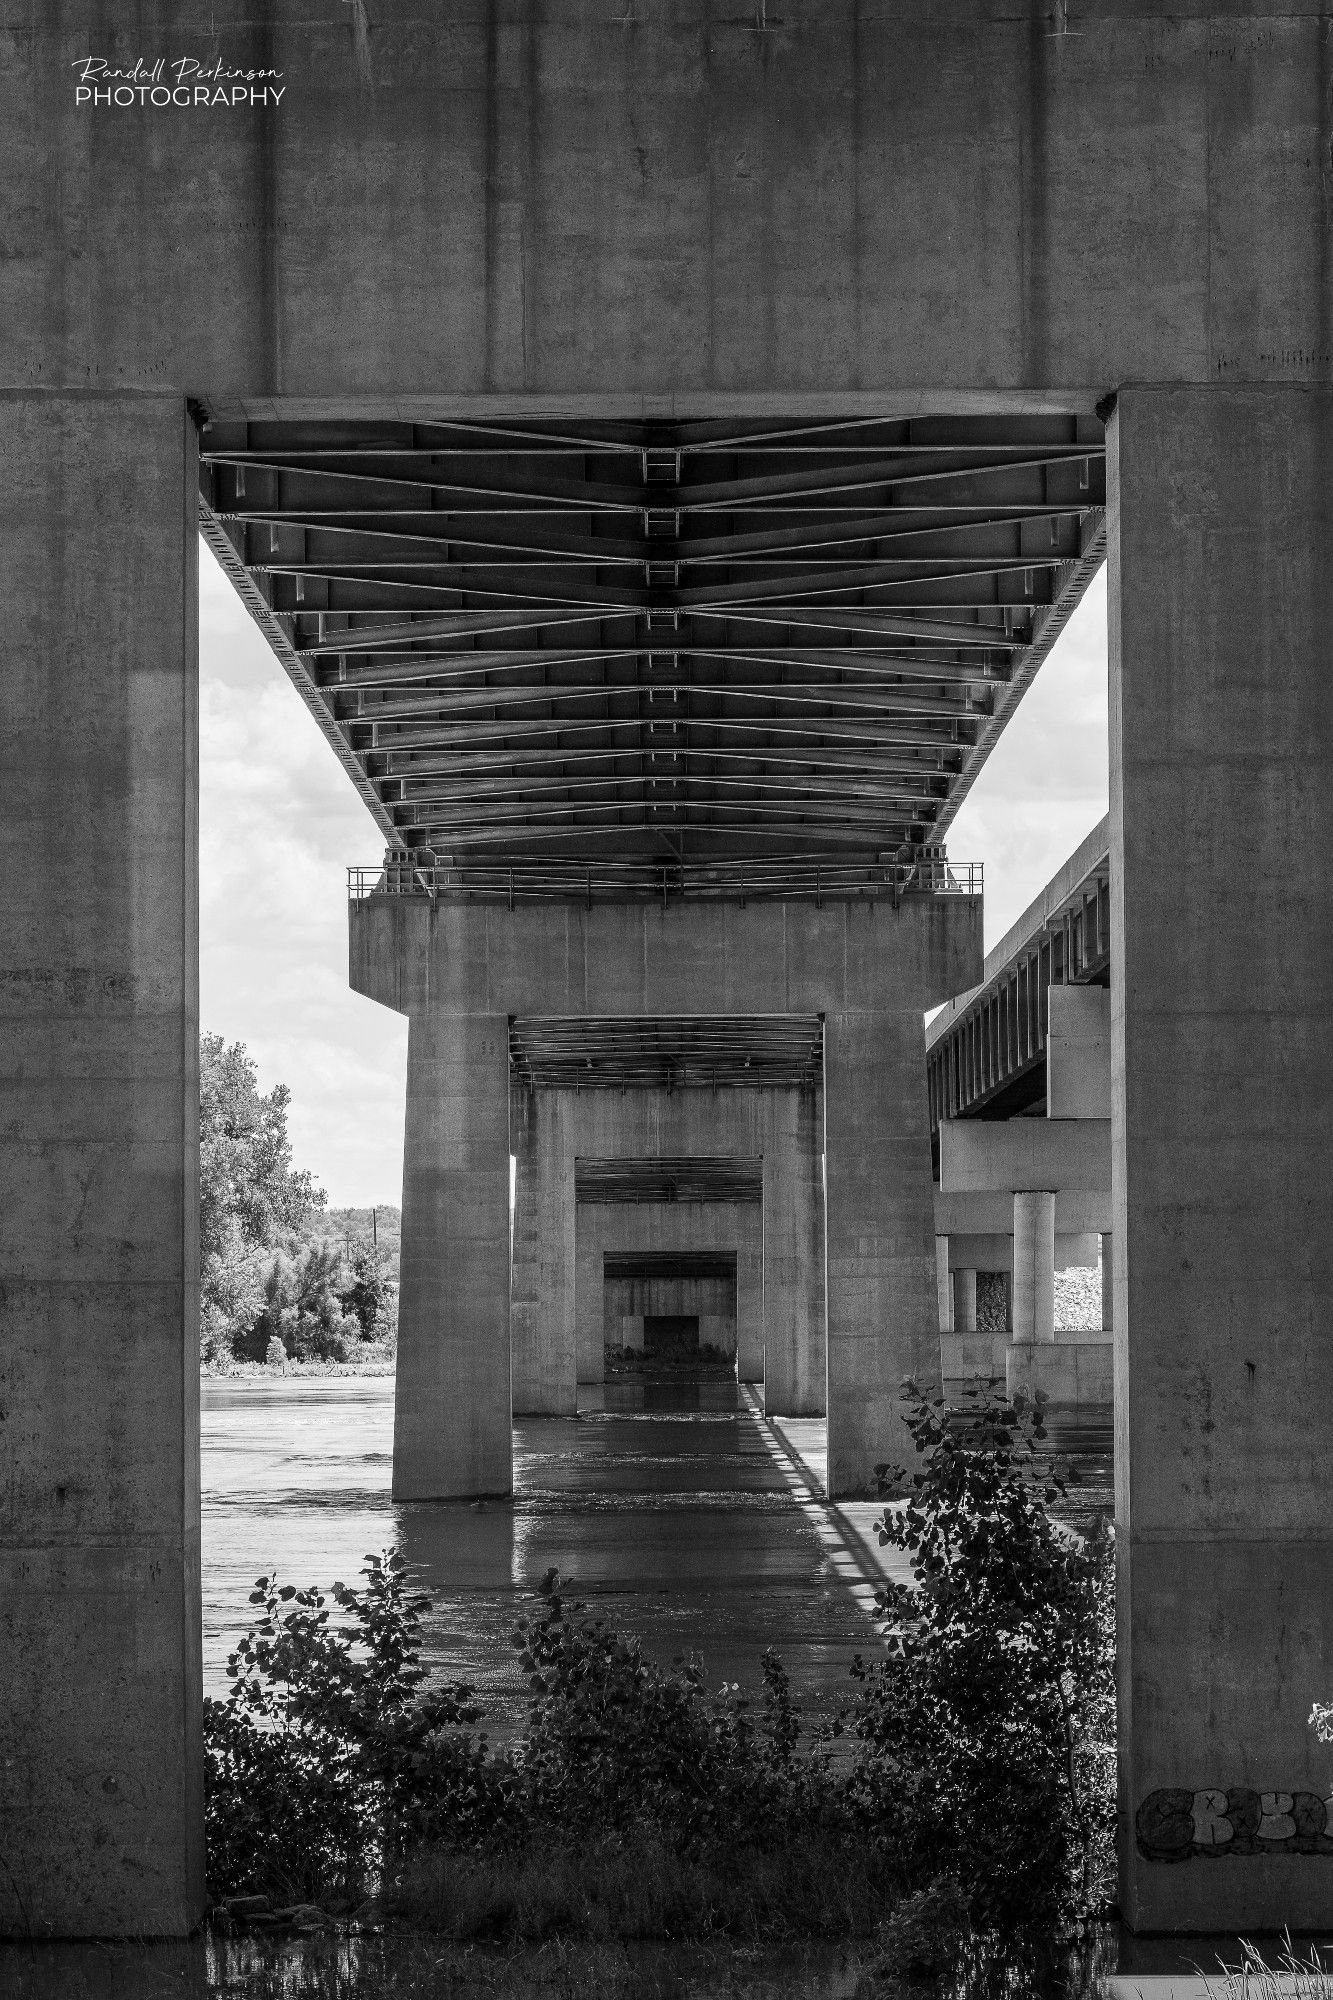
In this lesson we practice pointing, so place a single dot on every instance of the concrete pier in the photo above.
(965, 1301)
(101, 1807)
(451, 1435)
(795, 1360)
(883, 1307)
(1221, 602)
(1034, 1267)
(542, 1311)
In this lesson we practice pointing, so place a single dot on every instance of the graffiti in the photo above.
(1176, 1825)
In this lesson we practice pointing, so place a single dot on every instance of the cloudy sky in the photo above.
(279, 823)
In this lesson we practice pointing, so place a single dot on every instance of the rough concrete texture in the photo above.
(1078, 1052)
(451, 1435)
(883, 1311)
(677, 201)
(637, 960)
(1076, 1374)
(1078, 1212)
(795, 1356)
(100, 1757)
(541, 1275)
(965, 1301)
(1034, 1267)
(1221, 602)
(1040, 1155)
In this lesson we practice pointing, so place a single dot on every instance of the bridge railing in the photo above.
(801, 878)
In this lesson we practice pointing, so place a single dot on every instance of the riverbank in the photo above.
(372, 1357)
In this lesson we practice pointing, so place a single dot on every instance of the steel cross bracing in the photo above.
(756, 1052)
(699, 1178)
(536, 645)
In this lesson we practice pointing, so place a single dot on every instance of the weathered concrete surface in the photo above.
(795, 1358)
(879, 1228)
(1078, 1052)
(1034, 1267)
(1221, 603)
(1073, 1372)
(541, 1278)
(965, 1299)
(100, 1757)
(1078, 1211)
(451, 1435)
(682, 199)
(641, 959)
(1035, 1155)
(1108, 1279)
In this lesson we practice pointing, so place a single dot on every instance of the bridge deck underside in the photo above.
(558, 648)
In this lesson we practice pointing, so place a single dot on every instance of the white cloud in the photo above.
(279, 821)
(1044, 786)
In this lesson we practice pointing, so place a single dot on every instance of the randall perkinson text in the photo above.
(182, 81)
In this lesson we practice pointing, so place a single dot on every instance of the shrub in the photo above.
(988, 1731)
(327, 1755)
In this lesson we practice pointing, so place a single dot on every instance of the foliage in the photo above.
(328, 1753)
(988, 1730)
(1321, 1721)
(977, 1792)
(613, 1739)
(249, 1193)
(369, 1292)
(302, 1306)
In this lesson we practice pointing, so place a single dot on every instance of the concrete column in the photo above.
(101, 1810)
(1034, 1267)
(590, 1330)
(750, 1312)
(879, 1221)
(965, 1301)
(541, 1290)
(1108, 1283)
(793, 1272)
(943, 1284)
(452, 1429)
(1220, 592)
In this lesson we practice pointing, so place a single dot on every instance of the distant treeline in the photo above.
(282, 1274)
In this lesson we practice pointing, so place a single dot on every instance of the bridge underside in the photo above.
(576, 659)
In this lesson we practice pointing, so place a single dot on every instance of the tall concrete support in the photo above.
(541, 1291)
(943, 1284)
(1221, 603)
(451, 1431)
(1034, 1267)
(965, 1301)
(795, 1361)
(1108, 1282)
(879, 1220)
(101, 1810)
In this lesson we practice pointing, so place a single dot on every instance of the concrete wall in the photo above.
(1221, 603)
(100, 1756)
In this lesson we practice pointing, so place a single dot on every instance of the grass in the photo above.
(637, 1886)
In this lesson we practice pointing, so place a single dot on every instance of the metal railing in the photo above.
(779, 878)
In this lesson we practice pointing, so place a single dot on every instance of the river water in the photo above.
(697, 1528)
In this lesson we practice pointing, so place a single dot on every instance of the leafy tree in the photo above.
(249, 1193)
(302, 1307)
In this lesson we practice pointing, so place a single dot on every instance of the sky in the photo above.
(279, 824)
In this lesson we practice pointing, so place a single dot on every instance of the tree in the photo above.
(250, 1195)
